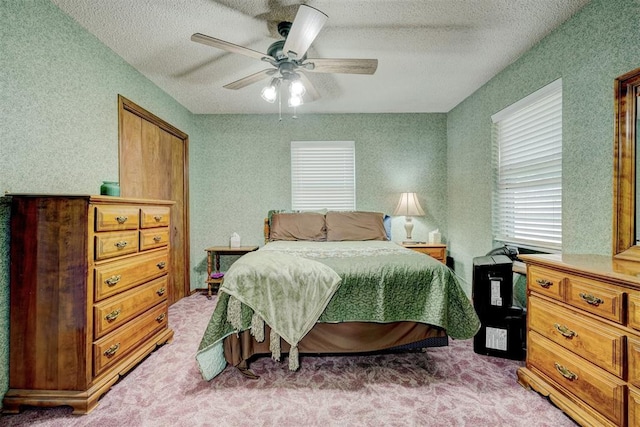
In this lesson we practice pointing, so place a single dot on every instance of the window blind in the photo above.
(323, 175)
(527, 148)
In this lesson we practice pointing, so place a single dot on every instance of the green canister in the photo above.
(110, 188)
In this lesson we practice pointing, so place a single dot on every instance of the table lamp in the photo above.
(409, 207)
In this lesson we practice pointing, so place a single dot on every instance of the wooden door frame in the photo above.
(125, 104)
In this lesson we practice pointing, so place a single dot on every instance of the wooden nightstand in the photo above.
(435, 250)
(213, 261)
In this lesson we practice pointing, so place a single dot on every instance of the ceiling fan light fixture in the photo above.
(297, 88)
(270, 93)
(288, 59)
(295, 100)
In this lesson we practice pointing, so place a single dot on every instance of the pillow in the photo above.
(355, 226)
(298, 226)
(387, 226)
(272, 212)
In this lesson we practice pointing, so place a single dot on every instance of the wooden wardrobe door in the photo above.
(154, 165)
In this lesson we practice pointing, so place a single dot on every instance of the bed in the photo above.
(331, 283)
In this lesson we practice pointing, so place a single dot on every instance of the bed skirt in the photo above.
(335, 338)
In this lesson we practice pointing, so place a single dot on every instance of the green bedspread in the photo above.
(381, 282)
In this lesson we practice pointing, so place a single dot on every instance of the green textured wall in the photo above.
(588, 52)
(242, 169)
(59, 134)
(59, 110)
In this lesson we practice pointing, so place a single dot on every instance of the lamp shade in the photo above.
(409, 205)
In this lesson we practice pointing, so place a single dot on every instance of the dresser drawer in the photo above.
(114, 312)
(154, 216)
(113, 244)
(546, 282)
(633, 358)
(437, 253)
(594, 341)
(633, 310)
(589, 296)
(116, 217)
(120, 275)
(634, 407)
(592, 385)
(154, 238)
(113, 347)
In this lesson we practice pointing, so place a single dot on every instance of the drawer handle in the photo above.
(161, 317)
(591, 299)
(112, 316)
(157, 239)
(121, 244)
(112, 350)
(564, 331)
(121, 219)
(158, 218)
(544, 283)
(161, 291)
(565, 372)
(113, 280)
(161, 265)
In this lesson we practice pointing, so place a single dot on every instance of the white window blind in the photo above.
(323, 175)
(527, 147)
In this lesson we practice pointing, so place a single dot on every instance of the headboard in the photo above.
(266, 230)
(329, 226)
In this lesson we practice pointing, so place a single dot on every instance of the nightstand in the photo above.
(213, 261)
(434, 250)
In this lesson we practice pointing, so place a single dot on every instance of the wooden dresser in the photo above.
(88, 297)
(583, 336)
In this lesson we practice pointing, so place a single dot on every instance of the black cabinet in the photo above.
(502, 333)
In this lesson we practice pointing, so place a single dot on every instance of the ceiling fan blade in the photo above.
(340, 65)
(229, 47)
(253, 78)
(306, 26)
(312, 93)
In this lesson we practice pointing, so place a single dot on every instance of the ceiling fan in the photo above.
(288, 58)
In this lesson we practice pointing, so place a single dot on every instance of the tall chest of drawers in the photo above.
(88, 296)
(583, 336)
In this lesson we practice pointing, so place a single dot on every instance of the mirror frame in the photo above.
(627, 89)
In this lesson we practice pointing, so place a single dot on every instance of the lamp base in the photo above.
(408, 226)
(411, 242)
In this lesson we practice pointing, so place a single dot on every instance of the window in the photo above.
(527, 147)
(323, 175)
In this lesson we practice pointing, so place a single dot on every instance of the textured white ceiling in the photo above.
(432, 53)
